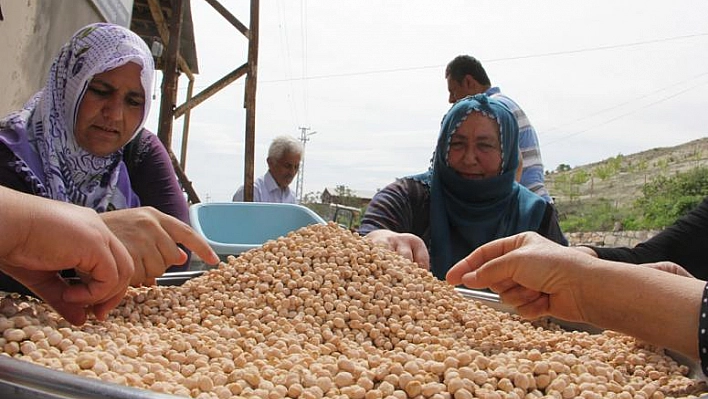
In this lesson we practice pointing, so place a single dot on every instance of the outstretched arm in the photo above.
(540, 278)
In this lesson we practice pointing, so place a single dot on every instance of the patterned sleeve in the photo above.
(398, 207)
(703, 332)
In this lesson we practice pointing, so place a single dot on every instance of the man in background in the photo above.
(284, 156)
(465, 77)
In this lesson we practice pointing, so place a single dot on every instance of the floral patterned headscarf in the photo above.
(41, 135)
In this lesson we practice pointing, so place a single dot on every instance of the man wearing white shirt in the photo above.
(284, 156)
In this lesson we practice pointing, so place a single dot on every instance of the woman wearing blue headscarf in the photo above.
(468, 197)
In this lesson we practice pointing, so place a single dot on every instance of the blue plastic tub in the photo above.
(235, 227)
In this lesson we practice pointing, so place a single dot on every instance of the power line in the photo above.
(598, 48)
(303, 31)
(540, 55)
(625, 114)
(286, 60)
(631, 101)
(528, 56)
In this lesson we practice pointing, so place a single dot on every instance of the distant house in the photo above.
(360, 197)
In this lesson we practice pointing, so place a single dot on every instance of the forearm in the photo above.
(645, 303)
(588, 250)
(14, 212)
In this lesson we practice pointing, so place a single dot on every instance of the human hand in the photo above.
(536, 276)
(407, 245)
(50, 236)
(669, 267)
(151, 238)
(586, 250)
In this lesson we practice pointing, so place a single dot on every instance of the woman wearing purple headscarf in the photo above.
(67, 143)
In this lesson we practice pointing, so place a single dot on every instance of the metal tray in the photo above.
(24, 380)
(178, 278)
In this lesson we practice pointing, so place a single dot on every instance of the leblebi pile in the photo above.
(322, 313)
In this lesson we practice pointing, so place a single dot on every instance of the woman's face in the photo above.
(111, 110)
(475, 150)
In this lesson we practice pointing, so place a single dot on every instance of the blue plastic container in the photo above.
(235, 227)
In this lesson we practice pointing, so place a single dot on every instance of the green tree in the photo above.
(563, 168)
(561, 183)
(642, 165)
(312, 197)
(576, 180)
(346, 196)
(603, 172)
(609, 167)
(569, 183)
(663, 165)
(580, 177)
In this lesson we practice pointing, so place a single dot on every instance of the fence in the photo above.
(610, 238)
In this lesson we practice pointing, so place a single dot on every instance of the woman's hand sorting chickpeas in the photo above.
(42, 237)
(152, 238)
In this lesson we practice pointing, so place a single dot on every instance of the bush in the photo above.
(663, 200)
(666, 199)
(600, 215)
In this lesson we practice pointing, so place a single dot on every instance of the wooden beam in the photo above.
(192, 196)
(229, 17)
(157, 16)
(211, 90)
(250, 103)
(185, 130)
(170, 76)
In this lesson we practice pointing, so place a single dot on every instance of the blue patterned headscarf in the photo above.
(465, 213)
(41, 135)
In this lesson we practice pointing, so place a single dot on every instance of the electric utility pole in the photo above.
(299, 185)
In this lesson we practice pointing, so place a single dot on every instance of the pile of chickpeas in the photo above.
(323, 313)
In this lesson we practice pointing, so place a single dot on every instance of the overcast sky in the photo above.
(596, 78)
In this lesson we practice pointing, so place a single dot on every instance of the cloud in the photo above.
(597, 78)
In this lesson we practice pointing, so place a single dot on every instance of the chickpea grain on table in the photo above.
(323, 313)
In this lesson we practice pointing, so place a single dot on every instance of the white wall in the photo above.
(31, 35)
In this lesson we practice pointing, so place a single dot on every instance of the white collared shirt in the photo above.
(266, 189)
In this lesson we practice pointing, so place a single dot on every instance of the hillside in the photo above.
(619, 180)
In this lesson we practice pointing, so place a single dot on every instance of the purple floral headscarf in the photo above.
(41, 135)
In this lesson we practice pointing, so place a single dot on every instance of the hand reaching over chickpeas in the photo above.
(669, 267)
(407, 245)
(152, 237)
(541, 278)
(42, 237)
